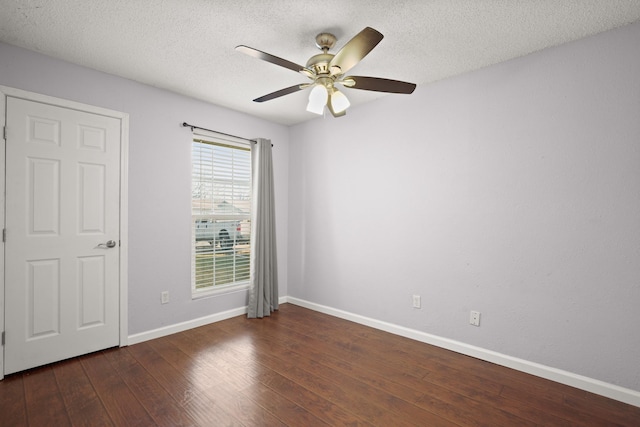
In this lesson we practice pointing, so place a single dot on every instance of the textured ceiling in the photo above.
(187, 46)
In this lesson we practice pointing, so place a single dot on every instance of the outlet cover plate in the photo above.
(474, 318)
(416, 301)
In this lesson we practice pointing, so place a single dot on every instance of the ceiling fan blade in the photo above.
(279, 93)
(378, 84)
(355, 49)
(274, 60)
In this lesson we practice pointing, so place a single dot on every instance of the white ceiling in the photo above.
(187, 46)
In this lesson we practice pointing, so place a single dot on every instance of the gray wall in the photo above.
(513, 190)
(159, 178)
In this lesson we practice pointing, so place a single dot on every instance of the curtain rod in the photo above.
(187, 125)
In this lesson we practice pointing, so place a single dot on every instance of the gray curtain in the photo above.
(263, 294)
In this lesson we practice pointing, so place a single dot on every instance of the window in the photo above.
(220, 216)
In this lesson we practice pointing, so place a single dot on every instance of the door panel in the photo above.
(91, 198)
(92, 291)
(62, 206)
(43, 305)
(43, 198)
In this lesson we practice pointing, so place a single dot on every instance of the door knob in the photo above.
(109, 244)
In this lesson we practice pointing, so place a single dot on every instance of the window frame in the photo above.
(213, 139)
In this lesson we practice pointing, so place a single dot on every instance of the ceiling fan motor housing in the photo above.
(320, 63)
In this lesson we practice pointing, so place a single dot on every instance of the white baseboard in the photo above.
(185, 326)
(190, 324)
(591, 385)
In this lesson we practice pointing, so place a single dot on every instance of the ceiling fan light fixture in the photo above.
(339, 101)
(317, 99)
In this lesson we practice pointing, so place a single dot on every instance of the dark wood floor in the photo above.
(297, 368)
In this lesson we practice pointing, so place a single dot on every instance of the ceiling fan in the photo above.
(327, 70)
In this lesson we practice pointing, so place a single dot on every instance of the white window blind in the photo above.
(221, 215)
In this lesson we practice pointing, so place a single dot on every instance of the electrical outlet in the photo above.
(164, 297)
(474, 318)
(416, 301)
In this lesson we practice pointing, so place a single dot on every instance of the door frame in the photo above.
(5, 92)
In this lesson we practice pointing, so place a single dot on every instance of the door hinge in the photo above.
(2, 337)
(4, 235)
(4, 133)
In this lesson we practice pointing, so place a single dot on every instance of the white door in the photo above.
(62, 233)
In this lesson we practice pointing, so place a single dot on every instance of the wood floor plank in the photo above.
(312, 402)
(247, 411)
(161, 406)
(352, 368)
(346, 392)
(121, 405)
(185, 386)
(43, 399)
(222, 362)
(582, 401)
(13, 405)
(445, 403)
(527, 397)
(282, 408)
(212, 359)
(80, 398)
(295, 368)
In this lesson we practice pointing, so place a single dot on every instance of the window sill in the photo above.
(219, 290)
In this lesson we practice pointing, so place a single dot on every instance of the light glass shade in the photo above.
(317, 99)
(339, 102)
